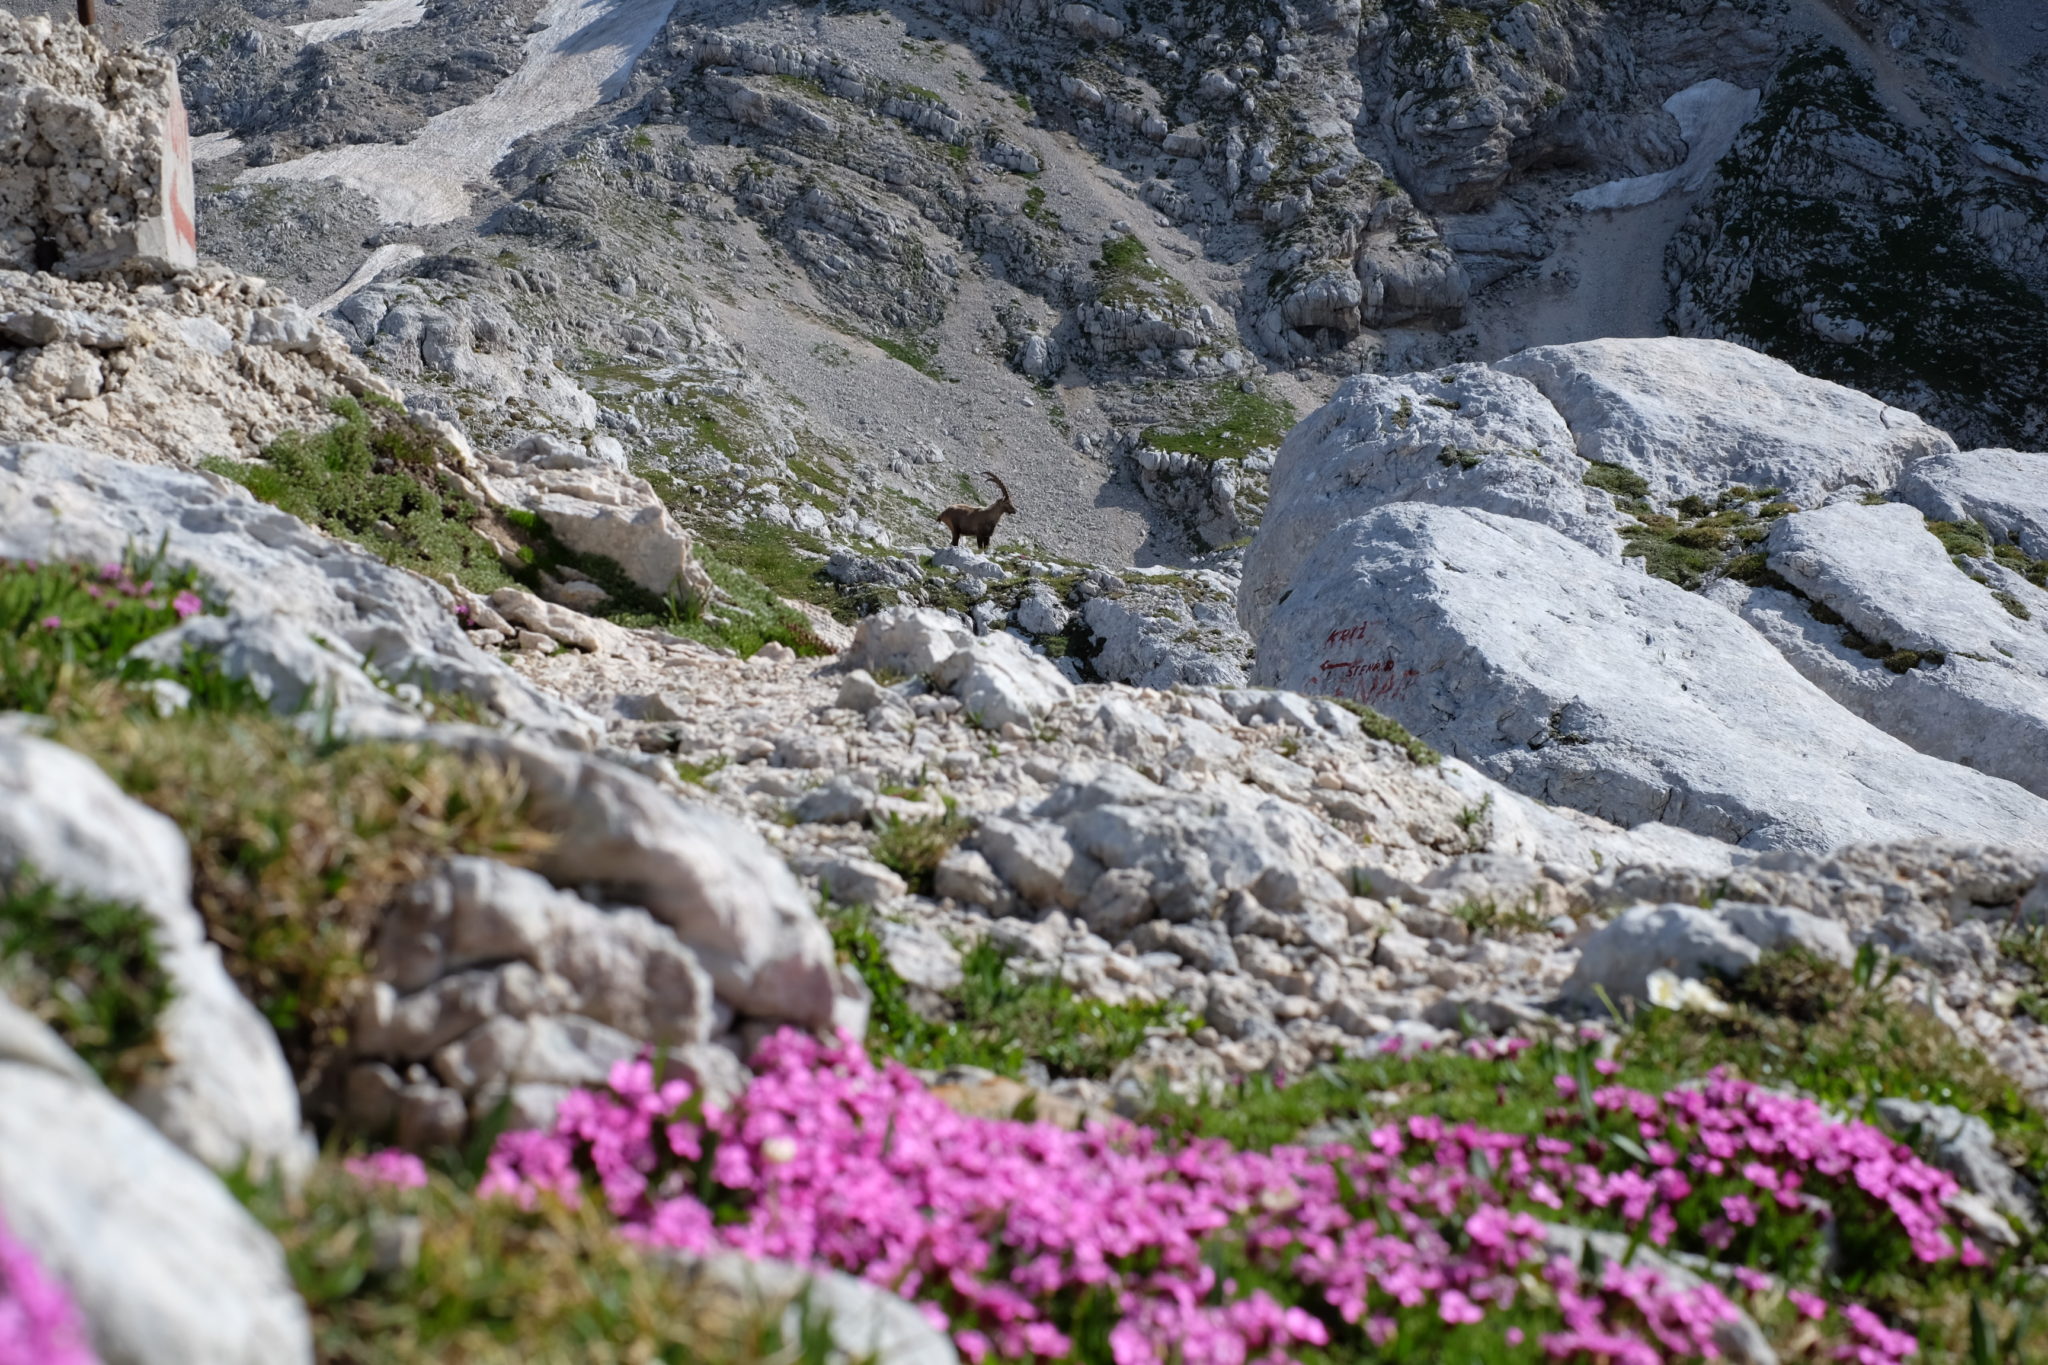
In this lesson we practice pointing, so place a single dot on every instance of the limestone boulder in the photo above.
(164, 1265)
(621, 839)
(1607, 690)
(596, 509)
(2005, 491)
(61, 502)
(1694, 944)
(1897, 632)
(1001, 682)
(1465, 436)
(225, 1093)
(1697, 416)
(479, 939)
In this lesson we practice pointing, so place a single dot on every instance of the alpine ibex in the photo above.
(964, 519)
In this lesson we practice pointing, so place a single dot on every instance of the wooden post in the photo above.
(86, 12)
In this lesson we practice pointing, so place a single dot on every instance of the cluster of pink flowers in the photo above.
(38, 1324)
(115, 582)
(401, 1170)
(1025, 1240)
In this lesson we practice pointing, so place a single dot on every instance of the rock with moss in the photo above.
(224, 1092)
(328, 610)
(2004, 491)
(1610, 691)
(1695, 417)
(1920, 643)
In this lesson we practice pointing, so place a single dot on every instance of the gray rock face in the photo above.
(865, 1322)
(1695, 416)
(480, 945)
(59, 502)
(164, 1265)
(225, 1094)
(1466, 436)
(1964, 1146)
(2004, 490)
(1609, 691)
(1695, 944)
(708, 878)
(1967, 679)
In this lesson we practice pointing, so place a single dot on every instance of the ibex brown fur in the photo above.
(964, 519)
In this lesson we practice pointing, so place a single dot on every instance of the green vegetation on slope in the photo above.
(87, 968)
(376, 477)
(428, 1276)
(996, 1018)
(1226, 423)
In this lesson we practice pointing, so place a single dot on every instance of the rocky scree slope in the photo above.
(755, 247)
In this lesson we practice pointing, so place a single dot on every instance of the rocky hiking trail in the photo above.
(518, 843)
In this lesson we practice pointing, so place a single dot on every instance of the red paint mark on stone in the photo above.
(178, 175)
(1349, 634)
(1366, 680)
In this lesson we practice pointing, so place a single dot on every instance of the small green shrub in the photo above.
(996, 1018)
(376, 478)
(492, 1283)
(918, 355)
(1620, 481)
(90, 970)
(1391, 731)
(912, 848)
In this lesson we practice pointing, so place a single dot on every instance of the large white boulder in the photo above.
(1463, 436)
(1577, 680)
(1001, 682)
(61, 502)
(2005, 490)
(165, 1267)
(1695, 416)
(225, 1093)
(1967, 679)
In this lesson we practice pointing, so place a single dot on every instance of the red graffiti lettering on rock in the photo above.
(1366, 680)
(1348, 634)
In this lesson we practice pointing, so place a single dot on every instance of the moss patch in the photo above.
(89, 969)
(1225, 423)
(996, 1018)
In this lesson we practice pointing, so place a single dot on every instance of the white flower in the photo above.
(779, 1151)
(1698, 995)
(1665, 990)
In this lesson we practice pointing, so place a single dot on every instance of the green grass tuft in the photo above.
(89, 969)
(912, 848)
(1386, 728)
(996, 1018)
(1622, 482)
(1226, 423)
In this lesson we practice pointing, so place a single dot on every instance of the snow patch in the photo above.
(580, 58)
(1709, 116)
